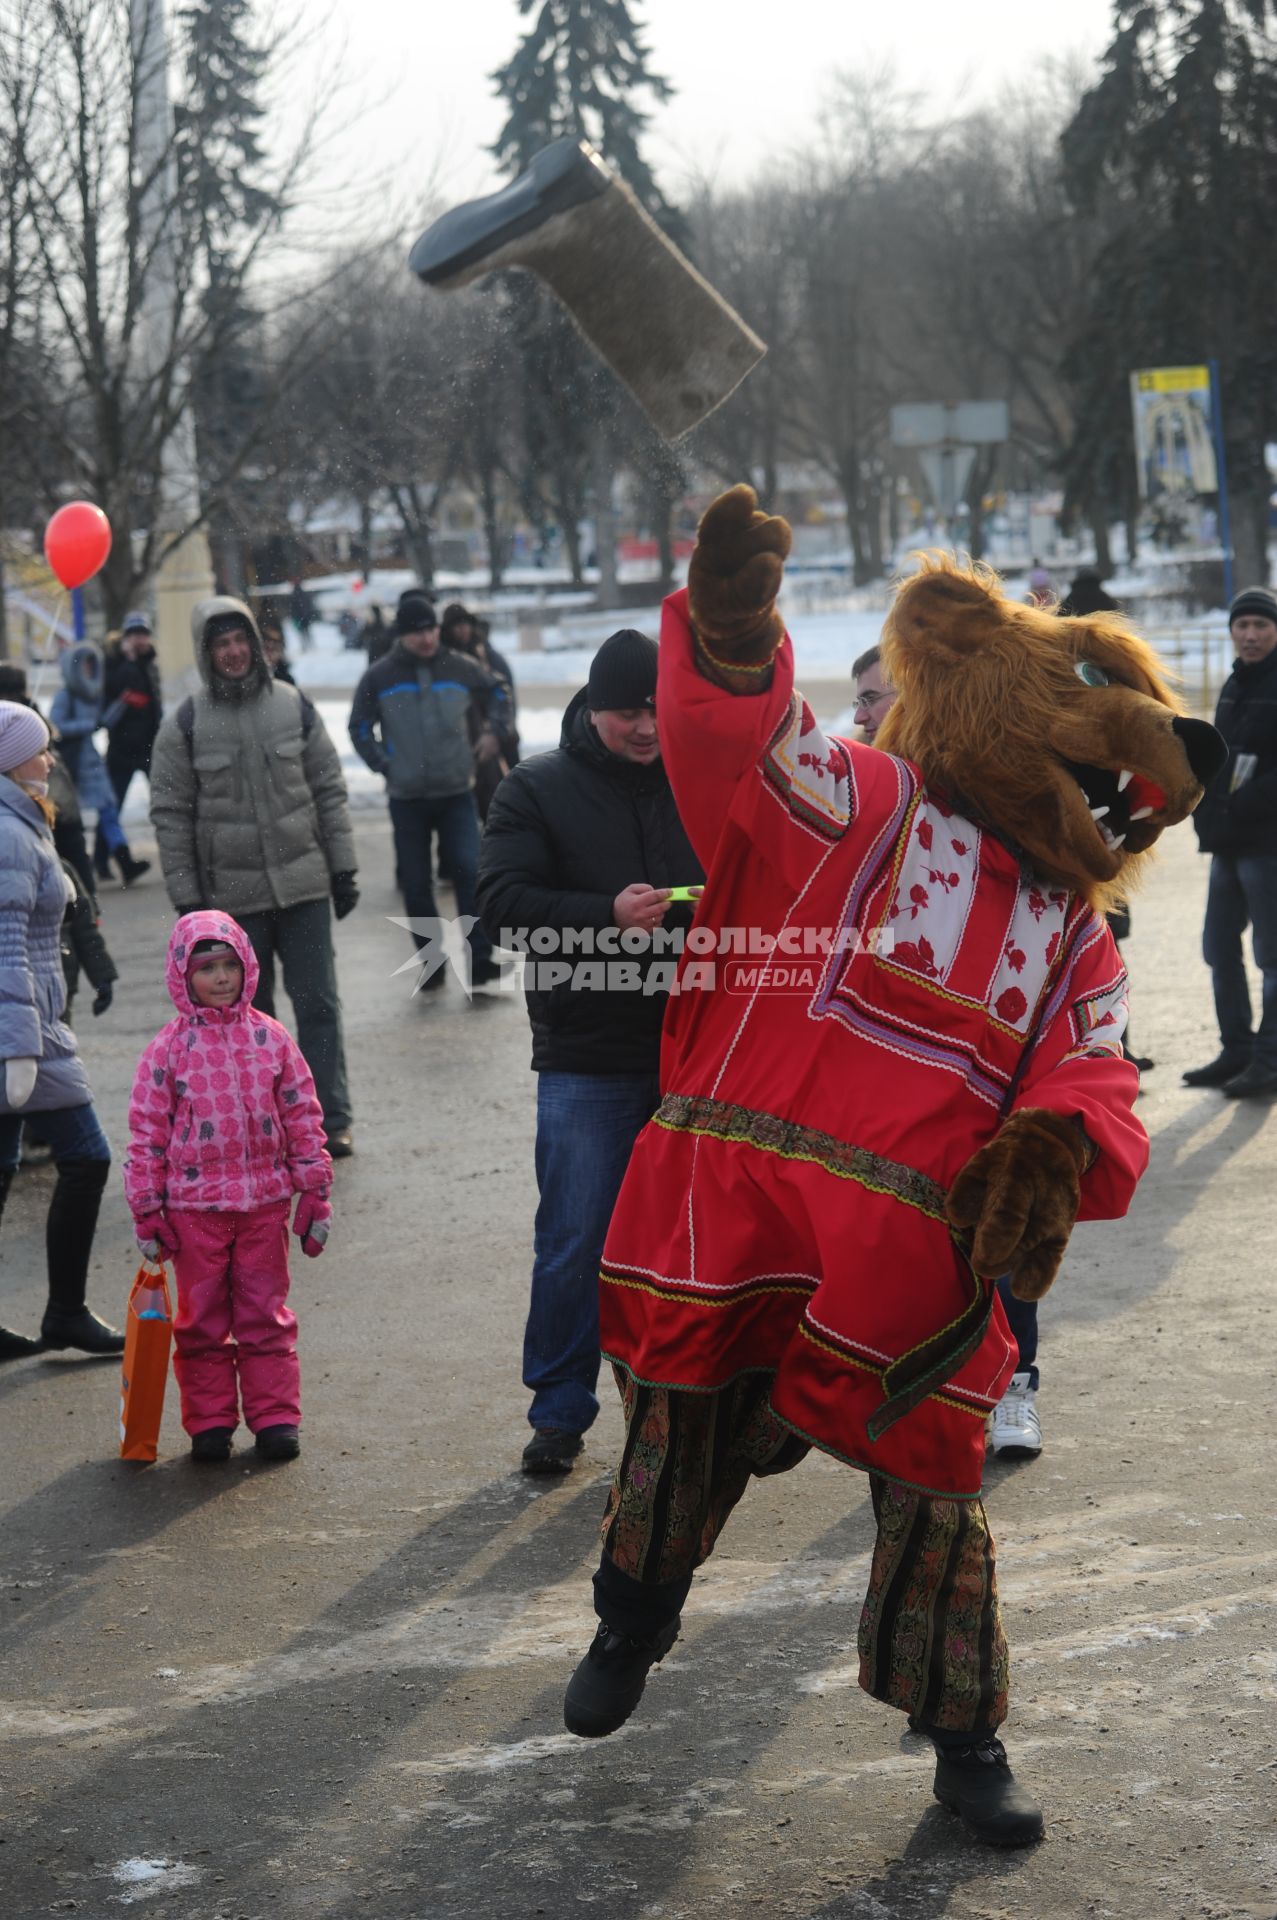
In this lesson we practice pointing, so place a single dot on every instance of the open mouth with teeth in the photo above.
(1121, 803)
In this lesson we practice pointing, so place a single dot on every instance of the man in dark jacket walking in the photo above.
(419, 718)
(133, 704)
(581, 849)
(1237, 825)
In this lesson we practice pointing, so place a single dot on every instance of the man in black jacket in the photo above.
(581, 850)
(1237, 825)
(133, 704)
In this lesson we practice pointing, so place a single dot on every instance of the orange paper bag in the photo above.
(148, 1337)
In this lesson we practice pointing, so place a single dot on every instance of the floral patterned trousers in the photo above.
(930, 1637)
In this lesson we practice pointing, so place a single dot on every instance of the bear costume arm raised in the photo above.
(726, 704)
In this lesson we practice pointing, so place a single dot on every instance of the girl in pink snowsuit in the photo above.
(224, 1127)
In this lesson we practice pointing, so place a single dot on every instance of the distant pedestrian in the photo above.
(1086, 595)
(76, 715)
(1236, 824)
(249, 808)
(134, 705)
(586, 842)
(419, 718)
(224, 1128)
(301, 611)
(377, 637)
(42, 1075)
(276, 656)
(1041, 585)
(469, 633)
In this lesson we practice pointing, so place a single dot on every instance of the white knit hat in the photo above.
(23, 734)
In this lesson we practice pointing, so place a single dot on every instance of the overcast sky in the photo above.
(749, 75)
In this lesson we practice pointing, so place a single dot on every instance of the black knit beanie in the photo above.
(623, 673)
(1261, 601)
(415, 614)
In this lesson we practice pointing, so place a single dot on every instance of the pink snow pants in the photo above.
(232, 1318)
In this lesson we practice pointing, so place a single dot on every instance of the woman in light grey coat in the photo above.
(42, 1072)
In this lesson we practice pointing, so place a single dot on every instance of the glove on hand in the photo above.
(19, 1081)
(345, 894)
(734, 577)
(155, 1236)
(1020, 1194)
(310, 1223)
(105, 995)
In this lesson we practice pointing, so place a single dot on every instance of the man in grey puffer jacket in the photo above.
(249, 809)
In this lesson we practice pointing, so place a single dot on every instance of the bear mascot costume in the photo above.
(806, 1245)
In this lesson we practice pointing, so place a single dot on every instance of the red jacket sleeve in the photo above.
(1077, 1067)
(711, 738)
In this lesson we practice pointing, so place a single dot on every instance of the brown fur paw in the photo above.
(734, 578)
(1018, 1197)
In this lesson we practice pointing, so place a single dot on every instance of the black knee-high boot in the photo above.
(13, 1346)
(72, 1222)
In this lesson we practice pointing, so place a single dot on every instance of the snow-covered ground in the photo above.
(827, 638)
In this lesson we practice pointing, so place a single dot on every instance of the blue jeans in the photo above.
(72, 1132)
(1022, 1316)
(1243, 891)
(456, 821)
(587, 1124)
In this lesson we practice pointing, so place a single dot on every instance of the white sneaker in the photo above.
(1015, 1427)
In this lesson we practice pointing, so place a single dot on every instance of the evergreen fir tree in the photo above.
(220, 162)
(1174, 150)
(577, 71)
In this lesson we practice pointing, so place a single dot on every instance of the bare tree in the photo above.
(122, 278)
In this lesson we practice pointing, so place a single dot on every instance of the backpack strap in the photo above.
(185, 717)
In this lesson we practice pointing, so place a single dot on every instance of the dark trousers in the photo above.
(83, 1160)
(930, 1637)
(1243, 892)
(1022, 1318)
(456, 822)
(302, 936)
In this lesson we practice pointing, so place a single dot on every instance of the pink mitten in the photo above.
(155, 1236)
(310, 1223)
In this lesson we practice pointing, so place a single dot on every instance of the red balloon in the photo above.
(77, 541)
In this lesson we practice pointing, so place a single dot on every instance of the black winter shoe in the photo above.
(608, 1684)
(212, 1445)
(977, 1784)
(340, 1145)
(130, 869)
(16, 1346)
(79, 1327)
(278, 1443)
(552, 1450)
(1225, 1066)
(1254, 1082)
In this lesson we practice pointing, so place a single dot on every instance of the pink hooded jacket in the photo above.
(223, 1115)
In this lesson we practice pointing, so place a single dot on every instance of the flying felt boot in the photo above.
(674, 342)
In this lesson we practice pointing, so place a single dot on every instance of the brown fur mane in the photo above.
(991, 708)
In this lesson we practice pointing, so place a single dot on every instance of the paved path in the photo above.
(333, 1689)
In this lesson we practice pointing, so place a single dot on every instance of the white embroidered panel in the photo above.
(1033, 940)
(813, 771)
(934, 893)
(1100, 1020)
